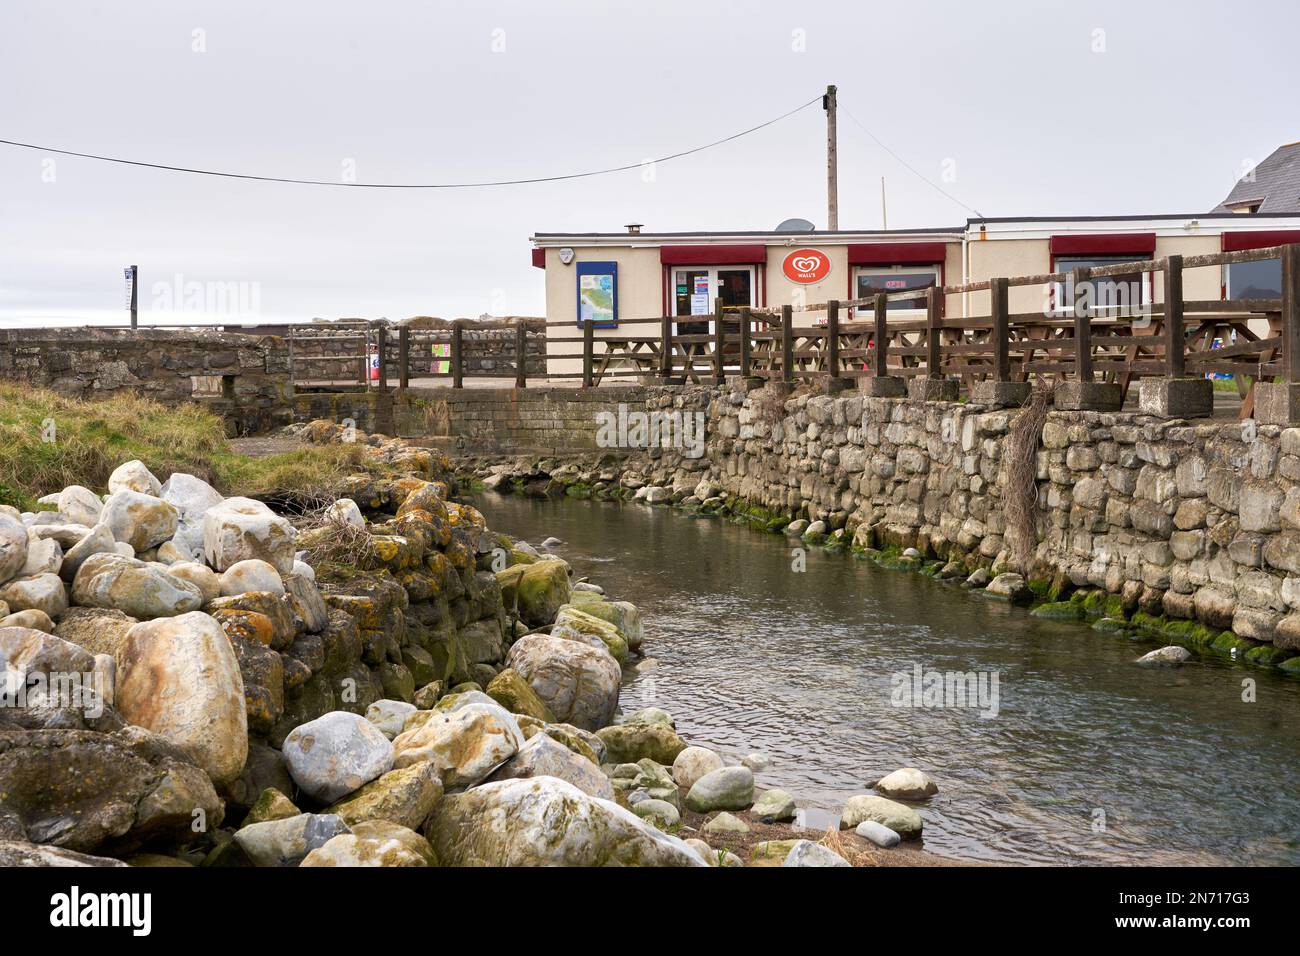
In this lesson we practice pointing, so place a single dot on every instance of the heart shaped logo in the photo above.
(806, 266)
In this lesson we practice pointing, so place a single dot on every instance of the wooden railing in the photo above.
(850, 339)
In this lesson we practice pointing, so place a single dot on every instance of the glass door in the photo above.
(696, 289)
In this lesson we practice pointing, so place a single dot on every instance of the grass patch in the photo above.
(51, 441)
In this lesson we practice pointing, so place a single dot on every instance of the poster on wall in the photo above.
(598, 293)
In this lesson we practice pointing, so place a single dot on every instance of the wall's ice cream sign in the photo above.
(806, 266)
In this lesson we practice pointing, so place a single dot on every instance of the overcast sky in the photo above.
(1015, 108)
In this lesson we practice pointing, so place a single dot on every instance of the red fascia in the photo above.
(1241, 241)
(1105, 244)
(713, 255)
(897, 253)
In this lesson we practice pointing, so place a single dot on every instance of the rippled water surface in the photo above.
(754, 657)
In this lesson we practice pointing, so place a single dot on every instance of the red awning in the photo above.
(1105, 244)
(712, 255)
(539, 258)
(1240, 241)
(897, 253)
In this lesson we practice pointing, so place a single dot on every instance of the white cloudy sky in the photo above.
(1033, 121)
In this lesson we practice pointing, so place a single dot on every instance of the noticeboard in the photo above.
(597, 293)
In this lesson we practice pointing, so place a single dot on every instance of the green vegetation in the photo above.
(51, 442)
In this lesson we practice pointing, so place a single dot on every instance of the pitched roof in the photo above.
(1274, 184)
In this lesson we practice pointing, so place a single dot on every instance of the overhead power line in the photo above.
(908, 166)
(469, 185)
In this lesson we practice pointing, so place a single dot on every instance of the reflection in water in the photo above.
(1089, 759)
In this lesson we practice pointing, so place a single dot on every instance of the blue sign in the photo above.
(597, 293)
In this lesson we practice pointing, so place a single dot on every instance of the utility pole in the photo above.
(832, 171)
(884, 213)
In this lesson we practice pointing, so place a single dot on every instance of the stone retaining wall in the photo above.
(243, 378)
(1195, 521)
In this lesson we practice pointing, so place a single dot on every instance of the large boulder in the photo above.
(142, 521)
(693, 763)
(21, 853)
(191, 497)
(238, 529)
(907, 784)
(578, 683)
(133, 587)
(376, 843)
(511, 691)
(336, 754)
(133, 476)
(81, 505)
(728, 788)
(900, 818)
(544, 821)
(44, 556)
(405, 796)
(83, 790)
(576, 625)
(13, 546)
(96, 540)
(536, 590)
(250, 575)
(99, 630)
(542, 756)
(179, 677)
(46, 681)
(628, 743)
(41, 592)
(622, 614)
(287, 842)
(464, 745)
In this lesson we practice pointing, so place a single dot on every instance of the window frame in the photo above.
(898, 268)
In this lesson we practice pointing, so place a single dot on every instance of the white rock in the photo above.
(133, 587)
(250, 575)
(578, 683)
(40, 592)
(464, 745)
(1169, 656)
(692, 764)
(98, 540)
(142, 521)
(13, 546)
(335, 754)
(756, 762)
(200, 575)
(81, 505)
(241, 528)
(907, 784)
(170, 553)
(133, 476)
(179, 678)
(44, 556)
(542, 756)
(303, 568)
(191, 497)
(345, 511)
(877, 833)
(807, 853)
(543, 821)
(389, 716)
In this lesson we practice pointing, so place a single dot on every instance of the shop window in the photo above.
(872, 280)
(1108, 295)
(1255, 280)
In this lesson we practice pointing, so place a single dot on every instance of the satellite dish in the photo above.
(796, 225)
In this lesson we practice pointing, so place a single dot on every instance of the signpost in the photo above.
(131, 295)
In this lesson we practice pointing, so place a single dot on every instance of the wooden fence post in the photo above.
(381, 347)
(1001, 335)
(933, 324)
(1175, 334)
(744, 342)
(787, 344)
(457, 354)
(666, 348)
(1082, 326)
(588, 351)
(833, 337)
(719, 341)
(521, 354)
(881, 335)
(404, 357)
(1290, 313)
